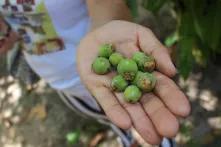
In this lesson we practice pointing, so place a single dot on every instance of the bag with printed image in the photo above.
(16, 63)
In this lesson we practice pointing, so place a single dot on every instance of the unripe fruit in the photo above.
(101, 65)
(137, 56)
(137, 77)
(128, 69)
(115, 59)
(145, 81)
(144, 62)
(106, 50)
(132, 94)
(153, 80)
(149, 64)
(118, 83)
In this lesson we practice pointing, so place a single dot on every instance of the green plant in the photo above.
(132, 94)
(127, 68)
(198, 32)
(133, 5)
(101, 65)
(73, 137)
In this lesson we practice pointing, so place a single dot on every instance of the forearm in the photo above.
(103, 11)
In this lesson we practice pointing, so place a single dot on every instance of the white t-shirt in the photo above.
(62, 21)
(51, 31)
(71, 22)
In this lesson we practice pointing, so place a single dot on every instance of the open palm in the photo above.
(155, 115)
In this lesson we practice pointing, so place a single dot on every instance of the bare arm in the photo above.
(155, 115)
(103, 11)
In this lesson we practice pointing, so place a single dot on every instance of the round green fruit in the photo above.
(145, 81)
(137, 77)
(101, 66)
(118, 83)
(153, 80)
(105, 50)
(137, 56)
(144, 62)
(149, 64)
(115, 59)
(128, 69)
(132, 94)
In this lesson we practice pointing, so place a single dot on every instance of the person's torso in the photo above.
(51, 31)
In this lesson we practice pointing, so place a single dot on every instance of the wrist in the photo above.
(104, 11)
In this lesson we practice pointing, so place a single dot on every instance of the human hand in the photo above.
(155, 115)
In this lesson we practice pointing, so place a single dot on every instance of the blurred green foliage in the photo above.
(198, 33)
(73, 137)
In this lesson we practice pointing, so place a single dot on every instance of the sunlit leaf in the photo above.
(171, 40)
(73, 137)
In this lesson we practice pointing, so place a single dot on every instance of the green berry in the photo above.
(106, 50)
(119, 83)
(132, 94)
(149, 64)
(144, 62)
(137, 77)
(145, 81)
(115, 59)
(128, 69)
(101, 66)
(153, 80)
(137, 56)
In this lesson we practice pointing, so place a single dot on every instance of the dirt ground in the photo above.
(40, 119)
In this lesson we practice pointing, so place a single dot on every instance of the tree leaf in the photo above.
(214, 30)
(133, 5)
(185, 63)
(73, 137)
(207, 21)
(154, 5)
(171, 40)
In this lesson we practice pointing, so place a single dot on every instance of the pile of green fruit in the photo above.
(134, 75)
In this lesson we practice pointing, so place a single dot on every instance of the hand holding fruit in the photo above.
(128, 71)
(154, 115)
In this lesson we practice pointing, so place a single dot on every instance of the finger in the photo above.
(127, 48)
(171, 95)
(140, 121)
(151, 45)
(164, 121)
(112, 107)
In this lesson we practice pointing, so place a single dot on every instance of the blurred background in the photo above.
(34, 116)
